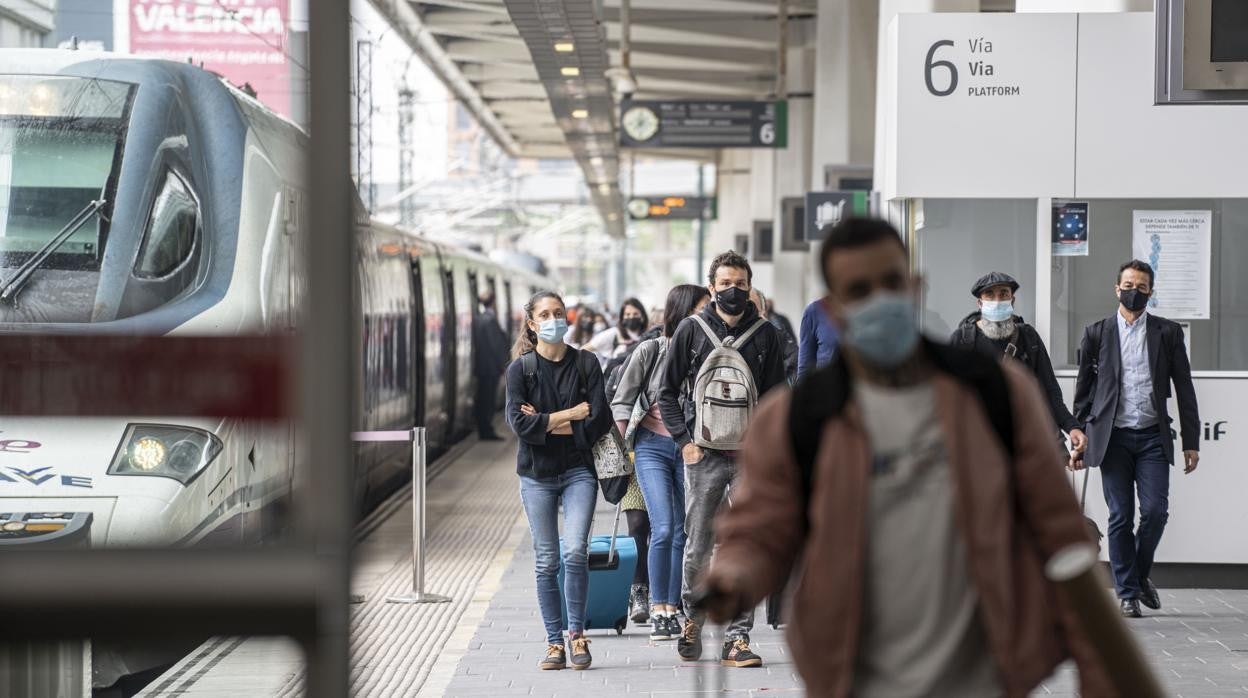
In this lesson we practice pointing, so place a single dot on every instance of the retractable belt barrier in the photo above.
(416, 436)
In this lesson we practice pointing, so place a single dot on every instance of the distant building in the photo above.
(27, 23)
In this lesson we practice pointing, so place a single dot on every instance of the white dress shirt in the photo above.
(1135, 385)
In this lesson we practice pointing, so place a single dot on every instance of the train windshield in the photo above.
(60, 147)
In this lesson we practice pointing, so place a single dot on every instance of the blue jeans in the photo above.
(1135, 460)
(660, 472)
(578, 489)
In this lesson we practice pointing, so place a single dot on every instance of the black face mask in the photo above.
(1133, 299)
(633, 325)
(732, 300)
(586, 324)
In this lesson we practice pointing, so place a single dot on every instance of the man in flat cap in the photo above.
(996, 330)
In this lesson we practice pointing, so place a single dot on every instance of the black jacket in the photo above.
(489, 346)
(1031, 352)
(689, 346)
(1100, 371)
(541, 454)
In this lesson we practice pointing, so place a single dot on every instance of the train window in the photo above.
(171, 230)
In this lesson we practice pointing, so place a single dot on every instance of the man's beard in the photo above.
(997, 330)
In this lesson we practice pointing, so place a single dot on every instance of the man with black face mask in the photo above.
(709, 473)
(1126, 365)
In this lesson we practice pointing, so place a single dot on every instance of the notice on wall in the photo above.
(1177, 244)
(1070, 229)
(242, 40)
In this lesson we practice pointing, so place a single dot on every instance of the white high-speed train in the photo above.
(150, 197)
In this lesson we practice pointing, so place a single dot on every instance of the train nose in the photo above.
(46, 528)
(54, 521)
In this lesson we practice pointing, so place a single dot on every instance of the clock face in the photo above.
(639, 208)
(640, 123)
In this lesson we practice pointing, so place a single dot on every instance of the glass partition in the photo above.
(1083, 287)
(957, 241)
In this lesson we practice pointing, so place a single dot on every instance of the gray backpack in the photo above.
(724, 392)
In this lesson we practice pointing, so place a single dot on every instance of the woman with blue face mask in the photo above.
(558, 409)
(996, 330)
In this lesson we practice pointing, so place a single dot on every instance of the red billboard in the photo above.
(243, 40)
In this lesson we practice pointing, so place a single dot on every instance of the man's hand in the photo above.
(1190, 459)
(580, 412)
(1075, 463)
(691, 453)
(1078, 440)
(721, 599)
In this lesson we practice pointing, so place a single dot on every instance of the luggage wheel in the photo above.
(620, 625)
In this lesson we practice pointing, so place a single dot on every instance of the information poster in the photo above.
(1070, 229)
(1178, 246)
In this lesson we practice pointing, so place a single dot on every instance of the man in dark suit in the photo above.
(1126, 365)
(489, 349)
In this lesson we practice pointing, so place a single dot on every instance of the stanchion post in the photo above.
(418, 594)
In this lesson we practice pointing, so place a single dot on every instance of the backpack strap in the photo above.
(710, 334)
(740, 341)
(528, 361)
(967, 334)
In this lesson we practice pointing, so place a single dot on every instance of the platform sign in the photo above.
(245, 41)
(829, 207)
(985, 105)
(703, 124)
(672, 208)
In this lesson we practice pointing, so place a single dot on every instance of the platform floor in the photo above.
(488, 639)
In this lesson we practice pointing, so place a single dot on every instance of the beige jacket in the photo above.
(1008, 535)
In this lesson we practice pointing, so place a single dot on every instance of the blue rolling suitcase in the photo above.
(612, 561)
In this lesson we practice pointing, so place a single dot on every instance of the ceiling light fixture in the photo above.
(565, 47)
(580, 113)
(570, 71)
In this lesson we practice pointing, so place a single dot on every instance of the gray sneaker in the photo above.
(581, 658)
(555, 658)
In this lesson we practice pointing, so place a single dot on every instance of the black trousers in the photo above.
(486, 404)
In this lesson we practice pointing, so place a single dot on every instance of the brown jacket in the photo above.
(1030, 630)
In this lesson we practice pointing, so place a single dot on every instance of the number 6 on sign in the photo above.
(767, 134)
(930, 64)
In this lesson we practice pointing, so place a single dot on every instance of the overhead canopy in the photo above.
(532, 71)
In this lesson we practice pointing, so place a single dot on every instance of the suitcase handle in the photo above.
(615, 531)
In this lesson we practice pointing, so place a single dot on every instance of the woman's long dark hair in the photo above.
(527, 341)
(681, 301)
(645, 317)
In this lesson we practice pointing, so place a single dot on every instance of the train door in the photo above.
(417, 345)
(450, 354)
(468, 382)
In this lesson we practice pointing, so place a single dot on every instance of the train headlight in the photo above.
(162, 450)
(147, 454)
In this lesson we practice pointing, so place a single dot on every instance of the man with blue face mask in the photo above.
(996, 330)
(920, 488)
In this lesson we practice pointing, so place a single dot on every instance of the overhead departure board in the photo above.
(687, 208)
(702, 124)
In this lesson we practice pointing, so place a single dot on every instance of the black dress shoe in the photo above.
(1131, 608)
(1150, 597)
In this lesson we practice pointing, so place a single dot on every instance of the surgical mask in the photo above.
(552, 331)
(633, 325)
(600, 326)
(1133, 299)
(997, 311)
(732, 300)
(882, 329)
